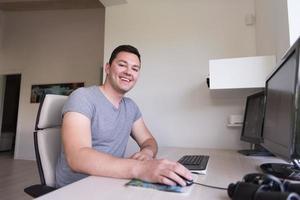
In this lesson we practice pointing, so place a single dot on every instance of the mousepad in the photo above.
(161, 187)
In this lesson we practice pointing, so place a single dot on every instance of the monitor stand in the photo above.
(281, 170)
(256, 150)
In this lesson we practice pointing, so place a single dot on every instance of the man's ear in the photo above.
(107, 68)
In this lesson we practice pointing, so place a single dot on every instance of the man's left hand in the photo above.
(144, 154)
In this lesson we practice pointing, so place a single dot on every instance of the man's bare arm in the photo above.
(76, 137)
(145, 140)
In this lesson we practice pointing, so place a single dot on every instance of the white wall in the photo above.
(294, 19)
(272, 27)
(50, 47)
(176, 39)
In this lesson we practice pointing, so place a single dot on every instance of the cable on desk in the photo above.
(210, 186)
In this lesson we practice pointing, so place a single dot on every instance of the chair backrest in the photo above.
(47, 137)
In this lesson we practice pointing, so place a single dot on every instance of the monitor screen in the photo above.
(281, 117)
(280, 109)
(253, 118)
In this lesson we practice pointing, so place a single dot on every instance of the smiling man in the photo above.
(97, 122)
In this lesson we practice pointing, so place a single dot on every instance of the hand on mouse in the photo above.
(162, 171)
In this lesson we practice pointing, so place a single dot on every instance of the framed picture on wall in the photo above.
(39, 91)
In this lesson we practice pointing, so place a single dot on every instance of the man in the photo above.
(97, 122)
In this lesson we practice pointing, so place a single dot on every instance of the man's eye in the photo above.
(122, 65)
(135, 69)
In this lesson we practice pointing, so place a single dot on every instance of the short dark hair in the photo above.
(124, 48)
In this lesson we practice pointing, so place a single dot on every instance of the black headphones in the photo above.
(258, 186)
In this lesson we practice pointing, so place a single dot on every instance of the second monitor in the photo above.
(253, 125)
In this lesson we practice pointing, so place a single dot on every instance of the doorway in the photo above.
(9, 106)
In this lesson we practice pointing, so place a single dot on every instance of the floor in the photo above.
(15, 175)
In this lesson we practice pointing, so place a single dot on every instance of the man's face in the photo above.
(123, 73)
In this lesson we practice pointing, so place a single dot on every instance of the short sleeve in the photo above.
(79, 102)
(133, 108)
(138, 114)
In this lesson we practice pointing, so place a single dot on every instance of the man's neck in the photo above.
(113, 96)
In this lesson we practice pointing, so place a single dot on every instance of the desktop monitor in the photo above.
(253, 124)
(281, 128)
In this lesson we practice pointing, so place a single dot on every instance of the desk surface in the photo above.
(224, 167)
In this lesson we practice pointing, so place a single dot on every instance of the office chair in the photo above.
(47, 143)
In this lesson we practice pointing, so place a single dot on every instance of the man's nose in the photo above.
(128, 71)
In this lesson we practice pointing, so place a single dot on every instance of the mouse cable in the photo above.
(210, 186)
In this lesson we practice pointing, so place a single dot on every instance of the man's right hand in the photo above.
(162, 171)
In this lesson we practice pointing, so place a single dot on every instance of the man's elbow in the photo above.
(73, 162)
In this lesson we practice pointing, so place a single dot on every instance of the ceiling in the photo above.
(27, 5)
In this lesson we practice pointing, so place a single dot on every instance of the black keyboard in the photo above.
(194, 162)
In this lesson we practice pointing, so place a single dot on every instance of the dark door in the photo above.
(10, 108)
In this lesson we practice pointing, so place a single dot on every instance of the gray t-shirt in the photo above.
(110, 126)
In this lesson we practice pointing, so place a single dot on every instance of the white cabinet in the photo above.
(245, 72)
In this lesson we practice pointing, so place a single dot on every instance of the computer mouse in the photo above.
(187, 181)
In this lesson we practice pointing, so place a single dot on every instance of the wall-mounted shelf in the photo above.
(236, 73)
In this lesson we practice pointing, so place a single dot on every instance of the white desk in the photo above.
(224, 167)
